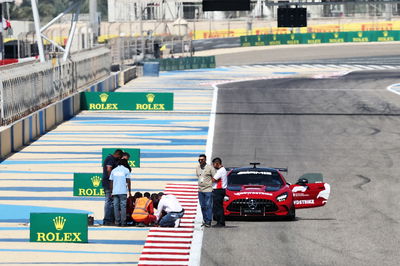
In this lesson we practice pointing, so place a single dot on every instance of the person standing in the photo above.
(120, 180)
(205, 173)
(126, 156)
(173, 209)
(219, 186)
(109, 164)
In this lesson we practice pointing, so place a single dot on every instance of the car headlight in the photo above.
(226, 198)
(282, 197)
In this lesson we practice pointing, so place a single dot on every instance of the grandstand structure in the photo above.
(170, 10)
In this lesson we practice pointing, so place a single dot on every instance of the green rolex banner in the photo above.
(136, 101)
(359, 36)
(387, 36)
(316, 38)
(59, 227)
(313, 38)
(88, 185)
(134, 160)
(246, 41)
(334, 37)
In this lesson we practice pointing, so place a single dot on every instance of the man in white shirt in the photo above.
(219, 185)
(120, 183)
(170, 205)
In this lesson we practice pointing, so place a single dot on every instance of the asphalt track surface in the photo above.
(345, 128)
(306, 53)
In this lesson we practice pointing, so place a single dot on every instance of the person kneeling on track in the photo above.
(144, 211)
(173, 209)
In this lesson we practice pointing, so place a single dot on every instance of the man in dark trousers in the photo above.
(219, 186)
(205, 173)
(109, 164)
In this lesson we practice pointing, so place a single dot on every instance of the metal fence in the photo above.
(24, 89)
(128, 50)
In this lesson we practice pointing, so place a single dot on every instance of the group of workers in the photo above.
(116, 183)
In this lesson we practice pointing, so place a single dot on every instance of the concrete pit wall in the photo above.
(26, 130)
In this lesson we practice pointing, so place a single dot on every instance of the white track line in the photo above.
(395, 88)
(195, 251)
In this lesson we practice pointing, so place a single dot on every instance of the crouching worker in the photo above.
(144, 211)
(120, 185)
(173, 209)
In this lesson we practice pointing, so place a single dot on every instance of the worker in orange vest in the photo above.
(144, 211)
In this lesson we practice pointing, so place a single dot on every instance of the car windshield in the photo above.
(248, 177)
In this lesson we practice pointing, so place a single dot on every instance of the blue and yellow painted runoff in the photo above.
(39, 177)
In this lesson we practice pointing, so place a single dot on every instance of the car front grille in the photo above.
(240, 204)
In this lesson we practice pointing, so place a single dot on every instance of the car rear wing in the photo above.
(276, 168)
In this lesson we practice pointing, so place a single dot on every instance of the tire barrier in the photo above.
(318, 38)
(184, 63)
(151, 69)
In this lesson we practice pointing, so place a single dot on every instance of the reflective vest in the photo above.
(140, 211)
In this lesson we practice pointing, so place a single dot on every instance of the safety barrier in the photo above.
(194, 62)
(27, 88)
(317, 38)
(127, 75)
(24, 131)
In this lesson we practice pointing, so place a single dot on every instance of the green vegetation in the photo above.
(48, 9)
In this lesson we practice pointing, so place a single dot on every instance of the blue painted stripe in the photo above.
(10, 211)
(138, 122)
(133, 179)
(93, 241)
(12, 139)
(41, 122)
(51, 189)
(90, 229)
(144, 151)
(10, 162)
(67, 108)
(284, 73)
(66, 251)
(72, 263)
(23, 132)
(34, 172)
(100, 87)
(69, 173)
(50, 199)
(30, 129)
(183, 127)
(146, 134)
(174, 142)
(142, 156)
(36, 179)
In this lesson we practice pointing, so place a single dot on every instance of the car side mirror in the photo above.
(302, 182)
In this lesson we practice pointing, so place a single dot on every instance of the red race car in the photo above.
(254, 191)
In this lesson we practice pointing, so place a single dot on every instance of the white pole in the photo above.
(71, 33)
(141, 28)
(94, 23)
(1, 35)
(36, 19)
